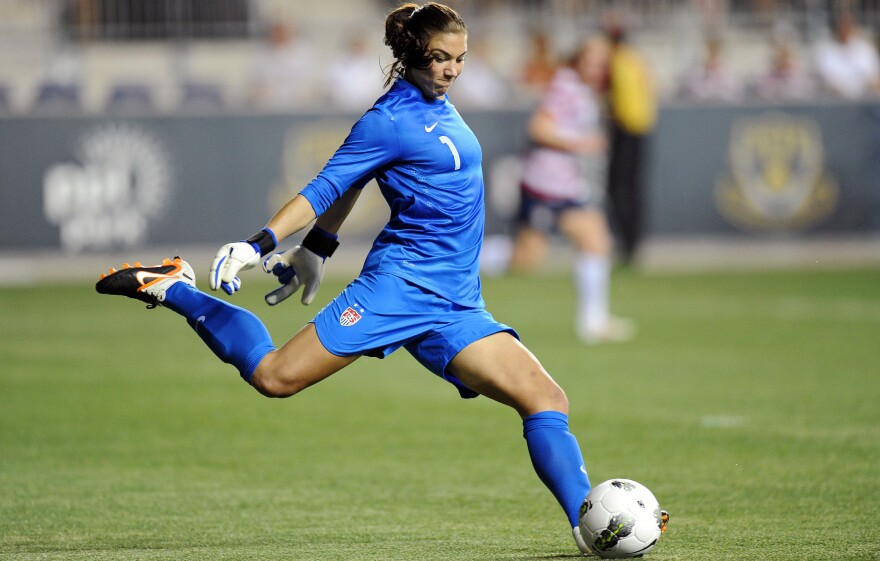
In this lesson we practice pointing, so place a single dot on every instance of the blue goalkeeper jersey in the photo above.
(428, 165)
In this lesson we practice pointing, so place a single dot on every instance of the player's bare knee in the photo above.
(272, 382)
(543, 394)
(563, 402)
(556, 396)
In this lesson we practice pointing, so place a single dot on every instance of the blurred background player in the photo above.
(419, 287)
(633, 109)
(561, 189)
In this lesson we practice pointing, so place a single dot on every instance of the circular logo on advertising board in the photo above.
(120, 182)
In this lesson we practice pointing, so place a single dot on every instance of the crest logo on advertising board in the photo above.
(107, 199)
(776, 179)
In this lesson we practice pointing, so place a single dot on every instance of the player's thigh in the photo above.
(587, 229)
(529, 249)
(501, 368)
(300, 363)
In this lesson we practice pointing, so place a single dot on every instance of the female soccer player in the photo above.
(561, 189)
(419, 287)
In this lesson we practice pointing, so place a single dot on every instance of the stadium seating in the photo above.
(130, 97)
(201, 96)
(55, 96)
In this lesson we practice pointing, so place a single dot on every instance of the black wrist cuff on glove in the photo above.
(263, 241)
(319, 242)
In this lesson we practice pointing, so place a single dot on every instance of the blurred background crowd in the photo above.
(98, 56)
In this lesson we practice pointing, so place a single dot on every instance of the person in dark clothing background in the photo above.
(633, 111)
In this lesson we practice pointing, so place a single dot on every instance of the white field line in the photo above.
(849, 309)
(723, 421)
(854, 310)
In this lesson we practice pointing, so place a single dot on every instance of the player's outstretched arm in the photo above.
(333, 218)
(303, 266)
(545, 131)
(246, 254)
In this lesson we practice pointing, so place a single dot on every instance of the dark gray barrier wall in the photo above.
(92, 183)
(791, 170)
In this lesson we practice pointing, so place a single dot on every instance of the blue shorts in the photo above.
(543, 214)
(379, 313)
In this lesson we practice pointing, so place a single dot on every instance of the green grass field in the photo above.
(749, 404)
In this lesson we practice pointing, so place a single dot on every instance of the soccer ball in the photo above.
(621, 519)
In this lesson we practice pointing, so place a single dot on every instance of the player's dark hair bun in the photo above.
(410, 27)
(396, 35)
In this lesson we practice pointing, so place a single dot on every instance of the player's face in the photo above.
(592, 63)
(446, 52)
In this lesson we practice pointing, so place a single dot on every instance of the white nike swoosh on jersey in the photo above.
(429, 129)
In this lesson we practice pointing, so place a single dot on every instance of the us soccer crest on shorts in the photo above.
(350, 316)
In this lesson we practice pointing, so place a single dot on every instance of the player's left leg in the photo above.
(587, 230)
(302, 362)
(503, 369)
(234, 334)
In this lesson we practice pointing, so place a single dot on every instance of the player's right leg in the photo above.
(503, 369)
(535, 221)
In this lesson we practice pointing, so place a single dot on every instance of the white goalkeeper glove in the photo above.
(302, 266)
(295, 268)
(239, 256)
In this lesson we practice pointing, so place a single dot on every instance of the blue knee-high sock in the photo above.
(557, 459)
(234, 334)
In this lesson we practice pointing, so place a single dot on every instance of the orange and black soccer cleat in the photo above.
(147, 284)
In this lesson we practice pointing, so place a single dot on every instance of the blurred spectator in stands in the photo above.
(847, 64)
(785, 79)
(352, 81)
(283, 74)
(540, 64)
(479, 85)
(633, 105)
(710, 79)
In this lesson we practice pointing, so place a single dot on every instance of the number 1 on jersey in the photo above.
(445, 140)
